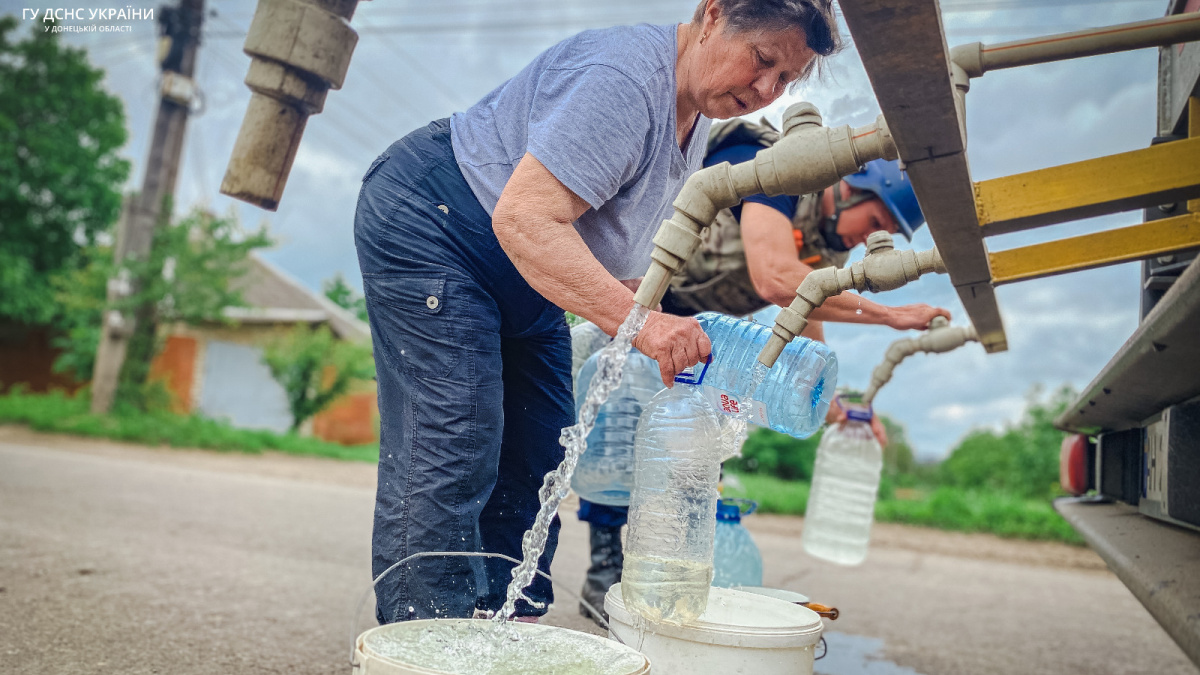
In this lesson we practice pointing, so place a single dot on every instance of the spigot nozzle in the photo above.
(879, 241)
(799, 115)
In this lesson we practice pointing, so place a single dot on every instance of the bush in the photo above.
(59, 413)
(315, 368)
(771, 453)
(946, 508)
(772, 494)
(1022, 460)
(1002, 514)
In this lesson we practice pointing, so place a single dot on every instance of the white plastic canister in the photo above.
(778, 593)
(370, 649)
(739, 632)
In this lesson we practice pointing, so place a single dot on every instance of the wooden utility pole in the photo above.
(179, 35)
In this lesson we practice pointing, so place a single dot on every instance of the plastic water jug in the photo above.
(604, 474)
(795, 395)
(672, 511)
(586, 339)
(736, 559)
(841, 503)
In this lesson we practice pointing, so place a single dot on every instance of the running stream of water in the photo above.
(557, 483)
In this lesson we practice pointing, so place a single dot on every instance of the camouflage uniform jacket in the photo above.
(717, 278)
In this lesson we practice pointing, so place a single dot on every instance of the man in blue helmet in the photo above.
(755, 255)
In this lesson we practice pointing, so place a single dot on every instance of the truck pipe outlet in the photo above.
(976, 59)
(809, 157)
(882, 269)
(939, 339)
(300, 49)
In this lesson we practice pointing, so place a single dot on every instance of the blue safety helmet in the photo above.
(887, 181)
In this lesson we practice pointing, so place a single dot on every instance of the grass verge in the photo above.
(944, 508)
(58, 413)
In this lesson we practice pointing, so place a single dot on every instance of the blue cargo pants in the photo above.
(474, 374)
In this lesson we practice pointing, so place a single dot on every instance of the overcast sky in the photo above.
(418, 61)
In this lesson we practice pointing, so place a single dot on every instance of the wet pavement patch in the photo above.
(856, 655)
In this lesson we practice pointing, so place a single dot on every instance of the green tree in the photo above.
(337, 290)
(1022, 460)
(188, 278)
(60, 175)
(775, 454)
(898, 459)
(769, 452)
(315, 368)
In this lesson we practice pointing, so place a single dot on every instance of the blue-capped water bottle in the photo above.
(795, 395)
(586, 339)
(604, 474)
(841, 502)
(736, 558)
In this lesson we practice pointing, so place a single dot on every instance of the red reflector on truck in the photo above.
(1073, 466)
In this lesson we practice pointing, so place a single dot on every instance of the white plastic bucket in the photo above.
(739, 632)
(371, 657)
(778, 593)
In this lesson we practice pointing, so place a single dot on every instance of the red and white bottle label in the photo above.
(728, 404)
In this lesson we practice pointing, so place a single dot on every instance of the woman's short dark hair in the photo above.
(814, 17)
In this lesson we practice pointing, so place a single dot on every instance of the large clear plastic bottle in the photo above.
(736, 558)
(795, 395)
(841, 503)
(672, 511)
(604, 474)
(586, 339)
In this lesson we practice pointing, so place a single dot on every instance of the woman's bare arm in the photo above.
(534, 223)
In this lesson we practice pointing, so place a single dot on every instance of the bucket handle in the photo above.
(460, 554)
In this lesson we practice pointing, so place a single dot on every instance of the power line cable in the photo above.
(423, 71)
(387, 89)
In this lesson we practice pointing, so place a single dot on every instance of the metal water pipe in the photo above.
(939, 339)
(809, 157)
(300, 49)
(976, 59)
(882, 269)
(972, 60)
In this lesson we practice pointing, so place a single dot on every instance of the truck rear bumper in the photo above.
(1157, 561)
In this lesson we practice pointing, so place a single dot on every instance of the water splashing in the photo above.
(739, 427)
(557, 483)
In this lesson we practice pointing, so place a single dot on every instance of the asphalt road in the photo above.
(117, 559)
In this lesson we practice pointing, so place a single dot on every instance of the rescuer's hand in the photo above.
(837, 415)
(676, 342)
(916, 316)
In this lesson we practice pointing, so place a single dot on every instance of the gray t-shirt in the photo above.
(598, 110)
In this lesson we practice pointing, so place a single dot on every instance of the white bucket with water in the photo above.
(739, 632)
(468, 647)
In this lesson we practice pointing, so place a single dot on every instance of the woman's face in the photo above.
(738, 72)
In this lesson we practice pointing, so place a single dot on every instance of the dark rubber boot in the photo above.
(607, 560)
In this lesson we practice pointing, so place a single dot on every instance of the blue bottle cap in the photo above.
(731, 510)
(859, 415)
(728, 513)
